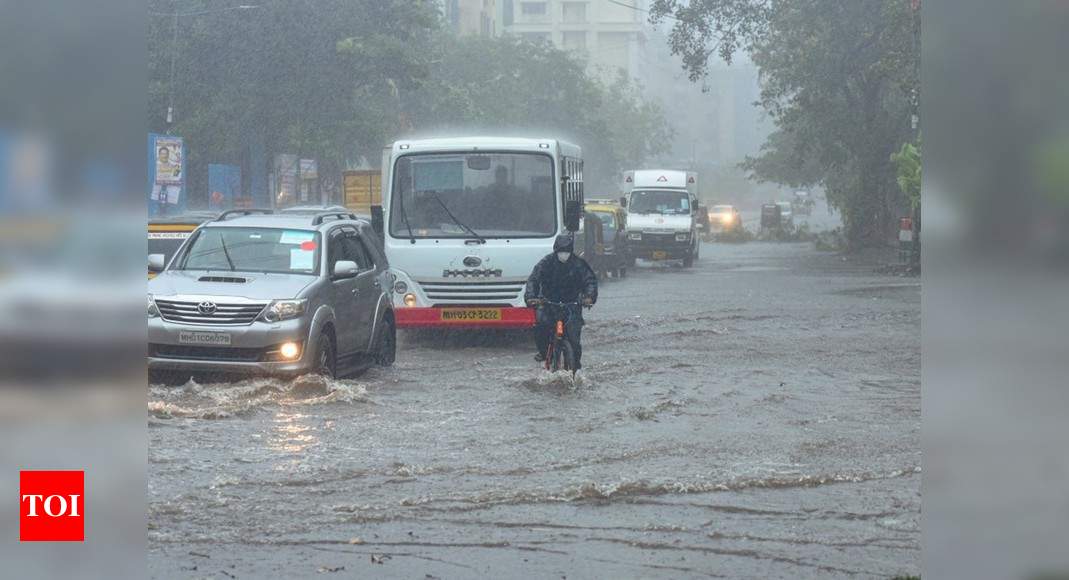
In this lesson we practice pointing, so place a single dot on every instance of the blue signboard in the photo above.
(224, 186)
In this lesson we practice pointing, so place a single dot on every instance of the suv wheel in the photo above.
(326, 361)
(387, 350)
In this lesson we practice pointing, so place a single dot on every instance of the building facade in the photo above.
(472, 17)
(609, 34)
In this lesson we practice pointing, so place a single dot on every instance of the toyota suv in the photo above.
(256, 292)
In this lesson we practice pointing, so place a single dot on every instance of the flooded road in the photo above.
(757, 416)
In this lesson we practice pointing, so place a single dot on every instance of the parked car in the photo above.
(166, 234)
(724, 219)
(614, 235)
(257, 292)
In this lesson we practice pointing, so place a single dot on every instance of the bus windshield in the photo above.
(660, 201)
(497, 195)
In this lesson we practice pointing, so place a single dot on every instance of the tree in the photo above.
(840, 81)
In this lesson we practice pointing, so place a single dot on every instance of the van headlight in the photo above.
(634, 236)
(153, 312)
(279, 310)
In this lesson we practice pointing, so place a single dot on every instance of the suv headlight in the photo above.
(279, 310)
(634, 235)
(153, 312)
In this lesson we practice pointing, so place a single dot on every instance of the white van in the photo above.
(662, 215)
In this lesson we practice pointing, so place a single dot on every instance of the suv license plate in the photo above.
(660, 255)
(209, 338)
(470, 314)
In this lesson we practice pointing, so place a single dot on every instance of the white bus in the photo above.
(465, 221)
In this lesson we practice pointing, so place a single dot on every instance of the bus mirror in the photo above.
(377, 223)
(478, 162)
(573, 211)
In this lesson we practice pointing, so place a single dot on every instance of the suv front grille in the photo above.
(225, 313)
(474, 292)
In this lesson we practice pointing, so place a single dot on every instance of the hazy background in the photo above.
(73, 122)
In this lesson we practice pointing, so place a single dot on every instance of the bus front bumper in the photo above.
(464, 317)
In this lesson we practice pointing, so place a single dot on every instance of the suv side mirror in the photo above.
(345, 269)
(623, 201)
(155, 263)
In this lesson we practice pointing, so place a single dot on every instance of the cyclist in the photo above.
(561, 277)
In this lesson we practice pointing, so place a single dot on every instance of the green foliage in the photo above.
(908, 166)
(840, 81)
(338, 79)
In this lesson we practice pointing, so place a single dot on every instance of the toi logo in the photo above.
(52, 506)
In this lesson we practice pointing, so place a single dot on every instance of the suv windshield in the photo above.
(660, 201)
(479, 195)
(247, 249)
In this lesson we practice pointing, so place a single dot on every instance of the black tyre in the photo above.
(386, 353)
(567, 356)
(688, 261)
(623, 272)
(326, 360)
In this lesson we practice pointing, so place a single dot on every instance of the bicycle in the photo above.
(560, 355)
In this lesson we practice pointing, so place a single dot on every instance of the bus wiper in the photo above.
(222, 243)
(461, 225)
(404, 216)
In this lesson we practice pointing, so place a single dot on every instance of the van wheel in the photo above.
(387, 350)
(326, 360)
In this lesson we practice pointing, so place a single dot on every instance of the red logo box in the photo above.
(52, 506)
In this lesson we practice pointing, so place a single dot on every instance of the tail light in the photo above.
(560, 328)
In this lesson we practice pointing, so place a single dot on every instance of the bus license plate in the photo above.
(470, 314)
(660, 255)
(206, 338)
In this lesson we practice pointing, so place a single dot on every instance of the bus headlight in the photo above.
(410, 300)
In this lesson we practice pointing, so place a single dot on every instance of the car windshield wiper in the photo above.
(461, 225)
(222, 243)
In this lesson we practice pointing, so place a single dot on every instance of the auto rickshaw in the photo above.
(613, 218)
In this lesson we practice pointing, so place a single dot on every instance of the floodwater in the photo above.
(757, 416)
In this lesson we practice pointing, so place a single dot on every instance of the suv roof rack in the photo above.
(342, 215)
(248, 211)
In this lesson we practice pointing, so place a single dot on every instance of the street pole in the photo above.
(170, 82)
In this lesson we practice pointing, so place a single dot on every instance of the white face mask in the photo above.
(563, 256)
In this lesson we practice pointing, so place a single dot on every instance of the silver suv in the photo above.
(258, 292)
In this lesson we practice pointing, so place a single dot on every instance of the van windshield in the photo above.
(660, 201)
(497, 195)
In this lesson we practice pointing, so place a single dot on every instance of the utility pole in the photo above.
(170, 81)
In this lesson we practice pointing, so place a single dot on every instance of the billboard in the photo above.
(166, 173)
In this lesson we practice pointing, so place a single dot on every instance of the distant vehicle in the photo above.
(255, 292)
(786, 214)
(662, 219)
(803, 203)
(724, 219)
(166, 234)
(468, 218)
(771, 216)
(613, 257)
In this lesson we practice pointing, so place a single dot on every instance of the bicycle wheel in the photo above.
(567, 356)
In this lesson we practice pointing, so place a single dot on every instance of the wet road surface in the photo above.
(757, 416)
